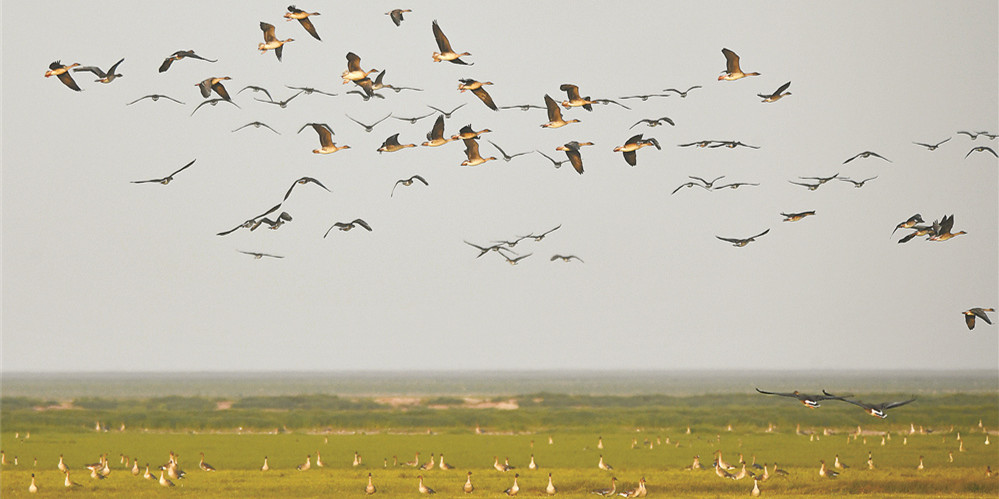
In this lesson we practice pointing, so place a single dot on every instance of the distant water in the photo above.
(479, 383)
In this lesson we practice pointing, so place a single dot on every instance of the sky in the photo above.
(101, 274)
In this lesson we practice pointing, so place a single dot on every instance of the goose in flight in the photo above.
(644, 97)
(540, 237)
(472, 153)
(256, 89)
(867, 154)
(738, 243)
(435, 137)
(406, 182)
(653, 122)
(632, 145)
(932, 147)
(476, 88)
(776, 96)
(378, 85)
(810, 401)
(303, 18)
(303, 181)
(572, 152)
(250, 223)
(256, 256)
(60, 71)
(154, 97)
(181, 54)
(392, 144)
(499, 248)
(555, 114)
(522, 107)
(734, 185)
(396, 15)
(346, 226)
(565, 258)
(213, 102)
(447, 114)
(970, 314)
(414, 119)
(701, 183)
(514, 261)
(272, 224)
(214, 83)
(857, 183)
(327, 146)
(820, 180)
(257, 124)
(507, 157)
(280, 103)
(909, 223)
(810, 187)
(981, 149)
(731, 144)
(368, 128)
(574, 100)
(467, 132)
(732, 70)
(558, 164)
(942, 230)
(354, 72)
(878, 410)
(167, 179)
(310, 91)
(102, 76)
(270, 41)
(446, 53)
(683, 95)
(794, 217)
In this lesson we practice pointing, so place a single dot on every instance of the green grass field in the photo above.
(336, 428)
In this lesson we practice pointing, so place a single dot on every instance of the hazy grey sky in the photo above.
(102, 274)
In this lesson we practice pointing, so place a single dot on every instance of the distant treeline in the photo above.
(536, 412)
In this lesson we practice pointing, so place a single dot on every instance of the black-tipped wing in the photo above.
(307, 24)
(485, 98)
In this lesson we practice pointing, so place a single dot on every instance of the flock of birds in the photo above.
(370, 86)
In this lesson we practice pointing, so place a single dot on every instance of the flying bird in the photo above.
(776, 96)
(699, 143)
(327, 146)
(810, 187)
(732, 69)
(981, 149)
(707, 185)
(446, 53)
(653, 122)
(414, 119)
(507, 157)
(467, 132)
(256, 89)
(821, 180)
(447, 114)
(272, 224)
(867, 154)
(970, 314)
(396, 15)
(879, 410)
(181, 54)
(435, 137)
(644, 97)
(378, 84)
(257, 124)
(932, 147)
(345, 226)
(734, 185)
(522, 107)
(910, 223)
(154, 97)
(303, 19)
(794, 217)
(213, 102)
(555, 114)
(857, 183)
(942, 230)
(303, 181)
(632, 145)
(392, 144)
(742, 242)
(270, 41)
(476, 88)
(565, 258)
(102, 76)
(213, 83)
(541, 236)
(557, 164)
(810, 401)
(165, 180)
(310, 90)
(683, 94)
(472, 153)
(250, 222)
(368, 128)
(60, 71)
(256, 256)
(513, 261)
(280, 103)
(499, 248)
(406, 182)
(354, 71)
(572, 152)
(731, 144)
